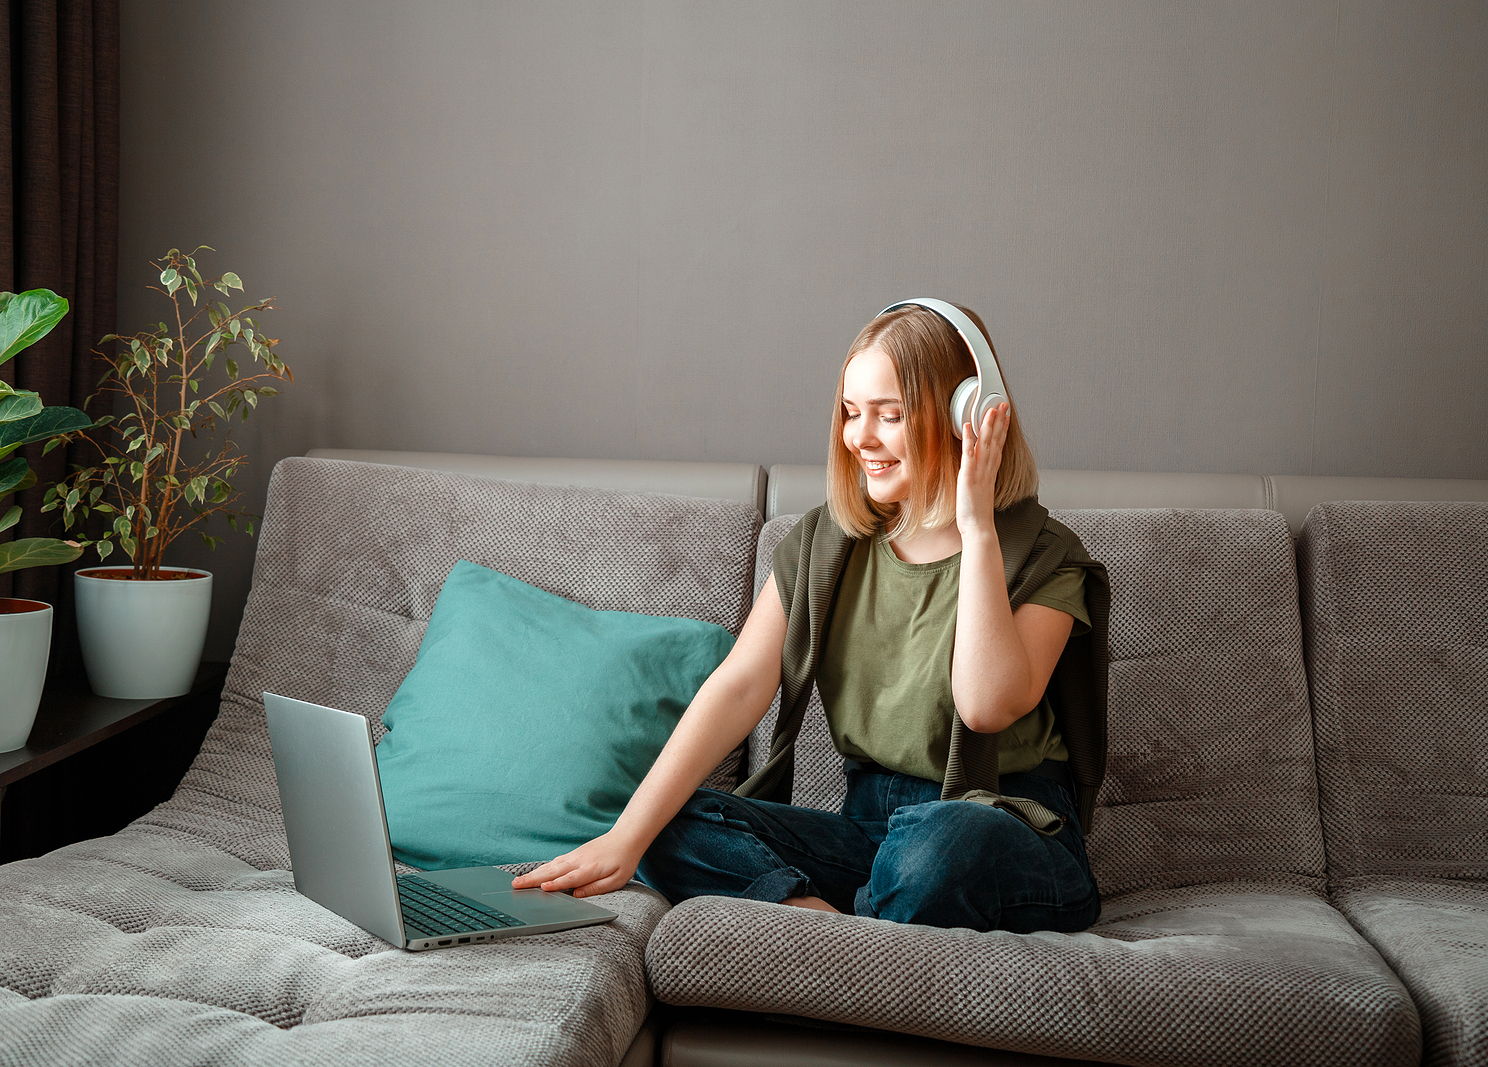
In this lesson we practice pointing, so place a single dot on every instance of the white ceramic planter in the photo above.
(141, 640)
(25, 644)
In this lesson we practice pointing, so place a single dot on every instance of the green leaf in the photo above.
(250, 396)
(26, 318)
(72, 499)
(104, 548)
(19, 404)
(232, 279)
(151, 455)
(13, 475)
(191, 291)
(11, 517)
(36, 552)
(194, 385)
(170, 278)
(137, 471)
(49, 422)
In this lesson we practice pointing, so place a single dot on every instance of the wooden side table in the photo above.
(94, 764)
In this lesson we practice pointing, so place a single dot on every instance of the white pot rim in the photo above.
(33, 605)
(195, 572)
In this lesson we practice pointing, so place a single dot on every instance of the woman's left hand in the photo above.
(981, 458)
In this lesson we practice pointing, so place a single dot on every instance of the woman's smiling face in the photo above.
(873, 424)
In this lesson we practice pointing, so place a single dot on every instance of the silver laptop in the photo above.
(343, 859)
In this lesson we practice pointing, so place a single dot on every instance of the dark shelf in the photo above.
(93, 764)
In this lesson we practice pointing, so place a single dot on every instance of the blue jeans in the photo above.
(896, 851)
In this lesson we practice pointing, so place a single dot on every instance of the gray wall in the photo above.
(1227, 237)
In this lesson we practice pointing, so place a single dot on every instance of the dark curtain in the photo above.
(59, 226)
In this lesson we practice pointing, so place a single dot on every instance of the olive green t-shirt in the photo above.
(885, 673)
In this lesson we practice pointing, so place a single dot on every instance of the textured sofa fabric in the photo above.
(181, 940)
(1217, 943)
(1396, 599)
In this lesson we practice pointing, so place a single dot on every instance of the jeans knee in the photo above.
(955, 863)
(940, 835)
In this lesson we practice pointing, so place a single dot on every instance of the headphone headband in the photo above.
(974, 397)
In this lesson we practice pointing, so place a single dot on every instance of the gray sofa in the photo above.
(1289, 843)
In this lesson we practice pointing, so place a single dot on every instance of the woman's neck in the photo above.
(928, 546)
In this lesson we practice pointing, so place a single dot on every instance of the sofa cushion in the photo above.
(1237, 974)
(145, 947)
(1435, 936)
(180, 939)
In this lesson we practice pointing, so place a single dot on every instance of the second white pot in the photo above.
(142, 639)
(25, 644)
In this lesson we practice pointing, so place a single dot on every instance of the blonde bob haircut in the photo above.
(930, 360)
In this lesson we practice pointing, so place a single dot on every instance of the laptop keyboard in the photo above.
(429, 909)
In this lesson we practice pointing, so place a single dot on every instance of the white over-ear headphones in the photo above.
(974, 397)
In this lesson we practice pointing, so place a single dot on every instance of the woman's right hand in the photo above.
(606, 863)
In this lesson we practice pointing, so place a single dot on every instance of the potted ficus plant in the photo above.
(26, 625)
(141, 625)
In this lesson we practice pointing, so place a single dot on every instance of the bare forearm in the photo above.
(719, 717)
(990, 671)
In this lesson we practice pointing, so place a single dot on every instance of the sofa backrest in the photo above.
(1210, 772)
(797, 488)
(351, 557)
(1395, 599)
(744, 482)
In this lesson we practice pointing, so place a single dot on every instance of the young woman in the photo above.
(922, 659)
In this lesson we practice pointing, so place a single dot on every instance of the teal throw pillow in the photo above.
(528, 720)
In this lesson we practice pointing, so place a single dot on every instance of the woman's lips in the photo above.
(872, 473)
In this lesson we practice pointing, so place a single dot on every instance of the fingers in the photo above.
(552, 869)
(536, 875)
(562, 874)
(994, 430)
(579, 876)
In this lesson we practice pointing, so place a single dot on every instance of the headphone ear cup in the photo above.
(986, 404)
(963, 405)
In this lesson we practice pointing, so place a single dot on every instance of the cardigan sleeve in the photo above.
(786, 561)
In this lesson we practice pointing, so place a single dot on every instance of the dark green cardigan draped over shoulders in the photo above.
(809, 565)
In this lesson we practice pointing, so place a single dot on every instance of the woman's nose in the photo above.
(862, 436)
